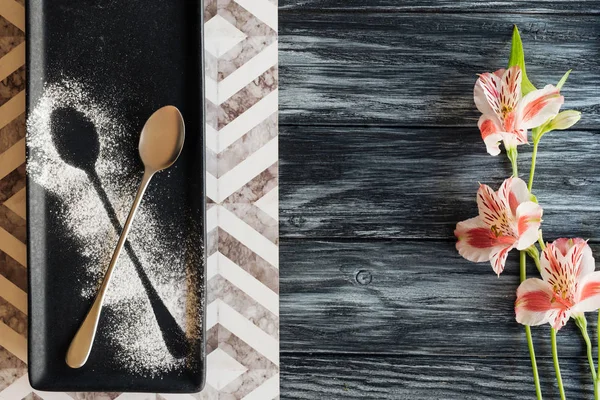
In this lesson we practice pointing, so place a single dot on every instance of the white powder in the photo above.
(134, 332)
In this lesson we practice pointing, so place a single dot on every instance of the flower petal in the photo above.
(539, 106)
(475, 240)
(487, 94)
(481, 102)
(533, 305)
(511, 140)
(491, 134)
(492, 208)
(588, 293)
(514, 191)
(564, 245)
(588, 263)
(580, 256)
(510, 88)
(520, 135)
(529, 219)
(559, 318)
(498, 259)
(553, 263)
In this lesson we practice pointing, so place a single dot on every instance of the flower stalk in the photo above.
(536, 143)
(581, 323)
(561, 389)
(536, 375)
(513, 154)
(533, 252)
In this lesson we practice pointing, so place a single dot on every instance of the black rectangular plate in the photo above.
(128, 58)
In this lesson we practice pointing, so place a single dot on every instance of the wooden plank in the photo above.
(418, 183)
(440, 6)
(317, 376)
(419, 69)
(405, 298)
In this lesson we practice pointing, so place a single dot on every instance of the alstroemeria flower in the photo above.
(507, 219)
(507, 115)
(569, 286)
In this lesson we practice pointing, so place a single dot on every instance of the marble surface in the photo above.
(242, 179)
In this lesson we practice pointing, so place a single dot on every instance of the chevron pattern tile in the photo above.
(242, 206)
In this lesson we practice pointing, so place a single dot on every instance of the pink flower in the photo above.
(507, 219)
(569, 286)
(506, 114)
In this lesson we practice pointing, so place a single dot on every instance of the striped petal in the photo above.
(510, 88)
(520, 135)
(475, 240)
(539, 106)
(498, 259)
(564, 245)
(514, 192)
(478, 243)
(581, 255)
(487, 94)
(534, 302)
(491, 134)
(553, 264)
(588, 294)
(576, 252)
(492, 208)
(559, 318)
(529, 219)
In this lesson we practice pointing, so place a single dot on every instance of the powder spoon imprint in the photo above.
(69, 125)
(160, 144)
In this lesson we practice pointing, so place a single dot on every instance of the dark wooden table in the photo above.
(380, 157)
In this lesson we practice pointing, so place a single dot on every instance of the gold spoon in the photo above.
(160, 144)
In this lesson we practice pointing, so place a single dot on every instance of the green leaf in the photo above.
(563, 79)
(517, 57)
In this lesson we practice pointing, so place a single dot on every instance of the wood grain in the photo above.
(415, 298)
(380, 157)
(419, 69)
(440, 6)
(418, 183)
(425, 378)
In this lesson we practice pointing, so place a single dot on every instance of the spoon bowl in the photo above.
(162, 139)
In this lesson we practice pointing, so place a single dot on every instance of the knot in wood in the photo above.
(363, 277)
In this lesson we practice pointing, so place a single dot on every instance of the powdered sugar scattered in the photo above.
(134, 332)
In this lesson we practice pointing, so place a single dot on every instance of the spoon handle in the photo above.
(81, 345)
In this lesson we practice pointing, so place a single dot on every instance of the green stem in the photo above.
(533, 252)
(541, 242)
(581, 322)
(536, 376)
(513, 154)
(598, 336)
(536, 143)
(561, 389)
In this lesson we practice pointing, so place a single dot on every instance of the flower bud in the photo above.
(564, 120)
